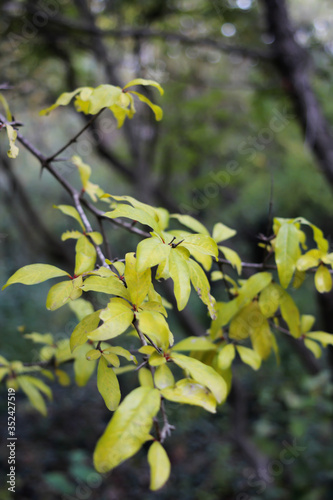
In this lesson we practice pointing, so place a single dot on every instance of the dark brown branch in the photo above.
(143, 32)
(292, 62)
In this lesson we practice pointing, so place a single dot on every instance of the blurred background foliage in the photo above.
(229, 145)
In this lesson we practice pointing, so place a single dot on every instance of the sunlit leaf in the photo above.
(81, 331)
(138, 283)
(287, 252)
(188, 391)
(71, 212)
(226, 356)
(323, 279)
(159, 466)
(108, 385)
(35, 273)
(222, 232)
(85, 256)
(117, 317)
(163, 377)
(180, 274)
(249, 356)
(151, 252)
(128, 429)
(203, 374)
(194, 344)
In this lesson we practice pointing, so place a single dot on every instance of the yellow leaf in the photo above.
(323, 279)
(163, 377)
(155, 326)
(191, 222)
(146, 378)
(110, 284)
(195, 344)
(157, 110)
(290, 313)
(117, 318)
(226, 356)
(233, 257)
(243, 324)
(222, 232)
(261, 338)
(322, 337)
(35, 273)
(81, 331)
(34, 396)
(153, 306)
(269, 300)
(138, 283)
(142, 81)
(188, 391)
(81, 308)
(287, 252)
(249, 356)
(71, 212)
(156, 359)
(201, 243)
(308, 260)
(108, 385)
(62, 100)
(111, 357)
(61, 293)
(135, 214)
(313, 347)
(159, 466)
(180, 274)
(128, 429)
(85, 256)
(12, 135)
(93, 354)
(201, 284)
(83, 368)
(151, 252)
(203, 374)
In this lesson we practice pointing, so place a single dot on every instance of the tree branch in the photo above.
(292, 62)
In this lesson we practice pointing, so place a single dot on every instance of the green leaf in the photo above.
(201, 284)
(287, 252)
(159, 466)
(35, 273)
(323, 279)
(85, 256)
(203, 374)
(142, 81)
(111, 285)
(163, 377)
(117, 318)
(195, 344)
(322, 337)
(71, 212)
(12, 135)
(138, 283)
(249, 357)
(222, 232)
(135, 214)
(81, 331)
(128, 429)
(111, 358)
(155, 326)
(226, 356)
(191, 222)
(188, 391)
(63, 292)
(180, 274)
(108, 385)
(151, 252)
